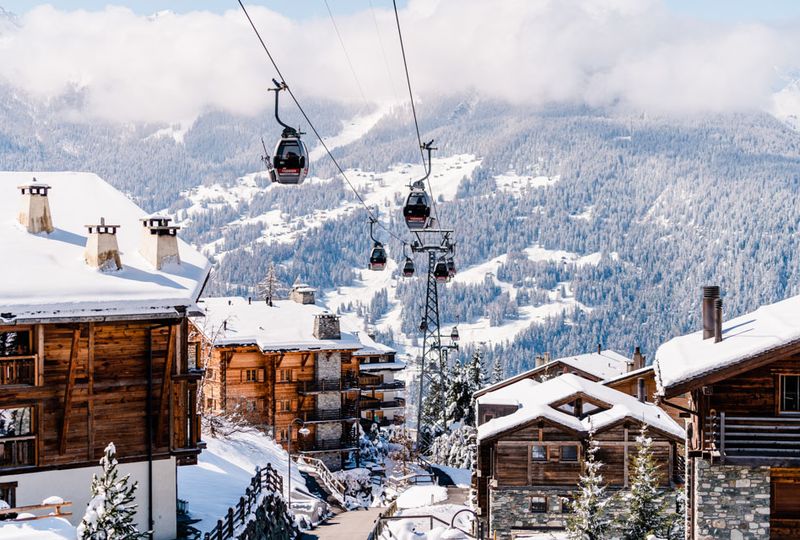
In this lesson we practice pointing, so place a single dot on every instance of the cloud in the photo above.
(171, 67)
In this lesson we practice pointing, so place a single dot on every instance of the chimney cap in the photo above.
(711, 291)
(103, 228)
(34, 186)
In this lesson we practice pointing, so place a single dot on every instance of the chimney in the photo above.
(547, 357)
(538, 361)
(326, 326)
(638, 359)
(102, 250)
(159, 243)
(34, 213)
(578, 408)
(599, 348)
(640, 390)
(717, 320)
(710, 293)
(302, 293)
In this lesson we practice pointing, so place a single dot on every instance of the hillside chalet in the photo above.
(94, 299)
(531, 449)
(281, 365)
(743, 446)
(382, 393)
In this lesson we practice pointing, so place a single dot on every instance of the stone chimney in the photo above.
(102, 250)
(159, 243)
(326, 326)
(710, 294)
(34, 212)
(637, 360)
(302, 293)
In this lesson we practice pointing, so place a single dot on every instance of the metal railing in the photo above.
(17, 451)
(331, 415)
(752, 437)
(342, 443)
(18, 370)
(327, 385)
(370, 403)
(265, 480)
(378, 382)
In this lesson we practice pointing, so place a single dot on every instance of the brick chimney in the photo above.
(302, 293)
(710, 294)
(326, 326)
(102, 250)
(159, 243)
(34, 212)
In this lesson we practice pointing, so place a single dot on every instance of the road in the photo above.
(355, 525)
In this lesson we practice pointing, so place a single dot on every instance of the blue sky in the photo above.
(719, 10)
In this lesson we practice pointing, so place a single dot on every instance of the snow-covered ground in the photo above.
(52, 528)
(224, 471)
(417, 496)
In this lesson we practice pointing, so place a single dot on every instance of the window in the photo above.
(8, 493)
(566, 504)
(194, 355)
(17, 437)
(569, 453)
(285, 405)
(17, 365)
(538, 504)
(538, 452)
(16, 343)
(790, 393)
(251, 375)
(285, 375)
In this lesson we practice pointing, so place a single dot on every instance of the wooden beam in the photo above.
(70, 385)
(39, 355)
(280, 359)
(90, 399)
(304, 359)
(166, 379)
(625, 470)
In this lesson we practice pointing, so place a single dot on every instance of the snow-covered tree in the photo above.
(589, 519)
(497, 372)
(270, 287)
(434, 405)
(645, 509)
(456, 448)
(110, 513)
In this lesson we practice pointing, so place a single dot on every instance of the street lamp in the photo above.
(302, 431)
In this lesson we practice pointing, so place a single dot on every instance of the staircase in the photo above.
(320, 478)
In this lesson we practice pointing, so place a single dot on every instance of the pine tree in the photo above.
(110, 513)
(497, 372)
(589, 520)
(270, 287)
(434, 405)
(645, 512)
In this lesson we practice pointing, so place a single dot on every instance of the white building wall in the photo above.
(74, 485)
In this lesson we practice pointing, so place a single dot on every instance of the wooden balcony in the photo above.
(745, 439)
(343, 384)
(330, 415)
(17, 452)
(18, 370)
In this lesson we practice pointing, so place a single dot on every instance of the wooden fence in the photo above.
(57, 511)
(265, 480)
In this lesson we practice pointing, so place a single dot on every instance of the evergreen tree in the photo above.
(110, 513)
(270, 287)
(434, 405)
(588, 520)
(497, 371)
(645, 513)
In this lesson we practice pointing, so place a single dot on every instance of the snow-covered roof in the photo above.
(688, 357)
(44, 276)
(538, 404)
(512, 394)
(370, 347)
(635, 373)
(603, 365)
(379, 366)
(284, 326)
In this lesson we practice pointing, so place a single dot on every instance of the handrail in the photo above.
(377, 528)
(19, 369)
(33, 507)
(336, 487)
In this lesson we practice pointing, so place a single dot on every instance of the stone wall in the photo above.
(329, 401)
(510, 509)
(332, 460)
(731, 501)
(326, 326)
(329, 366)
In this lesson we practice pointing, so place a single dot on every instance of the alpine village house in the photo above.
(94, 307)
(288, 364)
(743, 437)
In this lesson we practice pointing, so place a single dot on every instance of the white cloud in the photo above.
(171, 67)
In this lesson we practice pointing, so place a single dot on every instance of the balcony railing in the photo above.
(330, 415)
(18, 370)
(327, 385)
(377, 382)
(372, 404)
(343, 443)
(17, 452)
(753, 438)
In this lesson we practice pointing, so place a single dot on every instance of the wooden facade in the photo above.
(644, 381)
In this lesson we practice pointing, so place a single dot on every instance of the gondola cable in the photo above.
(313, 128)
(383, 51)
(346, 55)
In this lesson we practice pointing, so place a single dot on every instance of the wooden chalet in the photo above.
(282, 363)
(93, 345)
(743, 445)
(530, 454)
(382, 392)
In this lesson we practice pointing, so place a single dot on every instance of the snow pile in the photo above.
(359, 492)
(51, 528)
(690, 356)
(417, 496)
(225, 469)
(565, 388)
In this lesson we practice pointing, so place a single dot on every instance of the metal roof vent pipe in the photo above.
(717, 320)
(34, 213)
(710, 294)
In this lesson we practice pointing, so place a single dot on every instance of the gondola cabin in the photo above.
(408, 268)
(451, 267)
(290, 161)
(377, 258)
(417, 210)
(440, 272)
